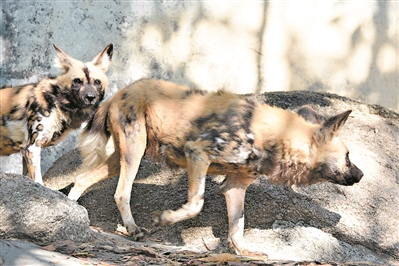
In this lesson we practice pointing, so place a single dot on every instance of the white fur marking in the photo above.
(241, 156)
(219, 140)
(35, 150)
(250, 136)
(244, 153)
(256, 151)
(204, 135)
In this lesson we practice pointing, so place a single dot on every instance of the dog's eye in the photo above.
(97, 82)
(78, 81)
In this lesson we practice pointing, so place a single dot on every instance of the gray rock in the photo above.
(63, 172)
(31, 211)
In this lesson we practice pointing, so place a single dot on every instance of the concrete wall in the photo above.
(349, 47)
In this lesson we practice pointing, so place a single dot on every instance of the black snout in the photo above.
(355, 175)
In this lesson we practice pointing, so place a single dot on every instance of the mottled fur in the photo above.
(36, 116)
(209, 133)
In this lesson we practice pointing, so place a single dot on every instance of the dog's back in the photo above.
(174, 115)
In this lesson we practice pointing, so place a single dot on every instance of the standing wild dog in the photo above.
(209, 133)
(36, 116)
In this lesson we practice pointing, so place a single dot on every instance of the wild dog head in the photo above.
(82, 85)
(35, 116)
(332, 163)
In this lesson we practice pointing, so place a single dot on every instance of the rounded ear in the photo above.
(309, 114)
(333, 124)
(63, 60)
(103, 59)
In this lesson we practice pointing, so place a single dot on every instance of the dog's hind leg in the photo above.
(234, 188)
(88, 178)
(197, 166)
(132, 142)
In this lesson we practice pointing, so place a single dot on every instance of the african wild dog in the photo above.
(36, 116)
(209, 133)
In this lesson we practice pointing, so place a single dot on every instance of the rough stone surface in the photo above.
(31, 211)
(323, 222)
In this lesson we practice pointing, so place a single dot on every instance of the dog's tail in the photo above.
(94, 139)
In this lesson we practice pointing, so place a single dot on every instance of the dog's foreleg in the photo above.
(197, 166)
(234, 188)
(24, 166)
(39, 134)
(88, 178)
(31, 157)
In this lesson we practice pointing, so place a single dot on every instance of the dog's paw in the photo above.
(162, 218)
(136, 233)
(243, 249)
(258, 255)
(159, 218)
(156, 217)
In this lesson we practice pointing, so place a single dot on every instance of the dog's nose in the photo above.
(90, 97)
(356, 173)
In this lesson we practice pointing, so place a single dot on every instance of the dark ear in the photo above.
(103, 59)
(309, 114)
(63, 60)
(333, 124)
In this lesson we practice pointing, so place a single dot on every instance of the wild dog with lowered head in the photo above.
(35, 116)
(209, 133)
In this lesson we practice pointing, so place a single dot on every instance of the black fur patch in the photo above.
(55, 90)
(98, 128)
(130, 117)
(124, 96)
(18, 90)
(232, 127)
(33, 138)
(200, 122)
(191, 92)
(50, 99)
(265, 161)
(87, 74)
(34, 106)
(69, 100)
(14, 109)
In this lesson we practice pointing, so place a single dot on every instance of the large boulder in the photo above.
(41, 215)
